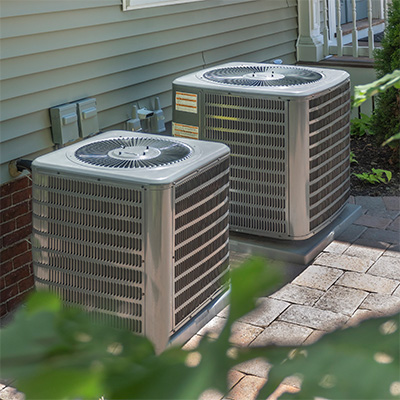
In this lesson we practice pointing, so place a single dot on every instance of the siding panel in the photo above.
(57, 52)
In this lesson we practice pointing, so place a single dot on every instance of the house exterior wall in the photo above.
(57, 52)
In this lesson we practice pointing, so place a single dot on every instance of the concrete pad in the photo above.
(388, 267)
(312, 317)
(344, 261)
(318, 277)
(341, 300)
(367, 282)
(282, 334)
(267, 311)
(296, 251)
(298, 294)
(382, 303)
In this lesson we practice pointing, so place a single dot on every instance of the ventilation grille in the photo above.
(262, 75)
(133, 152)
(88, 246)
(255, 130)
(201, 241)
(329, 154)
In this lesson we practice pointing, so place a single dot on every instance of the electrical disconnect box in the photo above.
(72, 121)
(87, 117)
(64, 123)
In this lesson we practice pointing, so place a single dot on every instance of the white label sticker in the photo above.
(185, 131)
(186, 102)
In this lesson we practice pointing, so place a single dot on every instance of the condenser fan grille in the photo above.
(133, 152)
(262, 75)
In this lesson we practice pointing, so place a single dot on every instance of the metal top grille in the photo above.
(133, 152)
(262, 75)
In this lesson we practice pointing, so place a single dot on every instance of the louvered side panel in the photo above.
(88, 246)
(329, 154)
(201, 241)
(255, 129)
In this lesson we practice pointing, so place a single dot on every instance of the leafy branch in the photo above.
(57, 353)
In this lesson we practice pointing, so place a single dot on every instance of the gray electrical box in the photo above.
(87, 115)
(64, 123)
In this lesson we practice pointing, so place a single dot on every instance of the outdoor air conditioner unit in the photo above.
(134, 228)
(288, 131)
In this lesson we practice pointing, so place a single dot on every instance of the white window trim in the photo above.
(128, 5)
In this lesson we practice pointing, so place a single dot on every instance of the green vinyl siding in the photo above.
(55, 52)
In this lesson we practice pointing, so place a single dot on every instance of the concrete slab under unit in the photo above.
(296, 251)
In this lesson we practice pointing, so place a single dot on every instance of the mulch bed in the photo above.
(371, 155)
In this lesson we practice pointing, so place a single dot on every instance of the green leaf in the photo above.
(392, 138)
(354, 363)
(364, 92)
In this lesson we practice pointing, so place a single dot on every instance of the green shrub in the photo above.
(385, 120)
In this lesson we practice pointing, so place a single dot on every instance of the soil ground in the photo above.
(370, 155)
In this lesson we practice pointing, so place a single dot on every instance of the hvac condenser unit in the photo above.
(288, 131)
(134, 228)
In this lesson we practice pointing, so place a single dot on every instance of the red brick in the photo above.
(5, 189)
(15, 211)
(22, 195)
(13, 303)
(24, 220)
(6, 267)
(8, 292)
(3, 310)
(5, 202)
(17, 275)
(17, 236)
(2, 283)
(14, 186)
(7, 227)
(13, 251)
(26, 284)
(25, 258)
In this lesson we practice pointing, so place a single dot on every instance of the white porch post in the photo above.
(310, 41)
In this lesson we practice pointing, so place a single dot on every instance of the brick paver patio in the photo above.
(356, 277)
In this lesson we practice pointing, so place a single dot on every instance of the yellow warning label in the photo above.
(186, 102)
(185, 131)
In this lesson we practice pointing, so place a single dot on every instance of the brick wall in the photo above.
(16, 273)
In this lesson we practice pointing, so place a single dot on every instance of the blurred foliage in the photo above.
(58, 353)
(364, 92)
